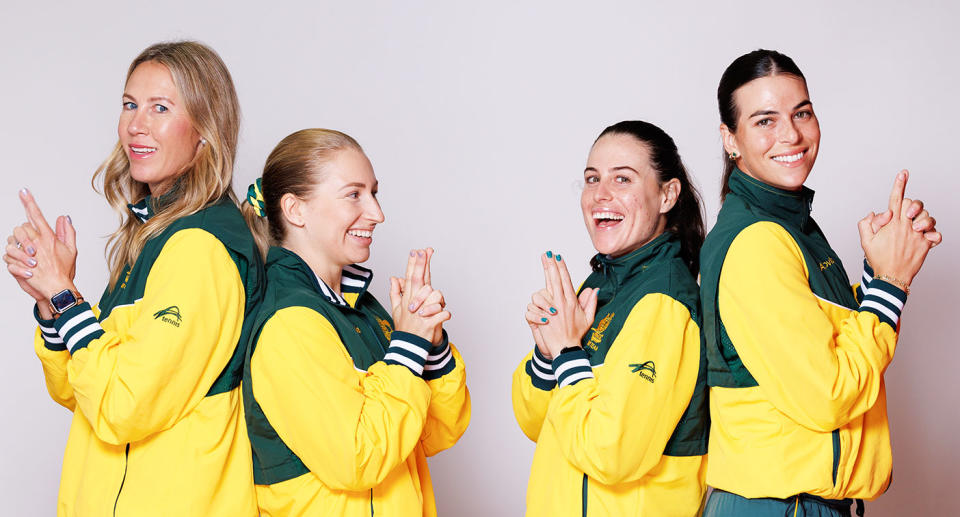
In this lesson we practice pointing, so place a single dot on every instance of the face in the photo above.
(340, 214)
(624, 206)
(155, 130)
(778, 134)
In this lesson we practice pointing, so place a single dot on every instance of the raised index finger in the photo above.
(896, 195)
(552, 277)
(34, 215)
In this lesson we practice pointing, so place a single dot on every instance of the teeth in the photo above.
(143, 149)
(361, 233)
(607, 215)
(788, 159)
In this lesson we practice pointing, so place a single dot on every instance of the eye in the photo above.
(765, 122)
(593, 178)
(803, 115)
(354, 195)
(622, 179)
(160, 108)
(129, 105)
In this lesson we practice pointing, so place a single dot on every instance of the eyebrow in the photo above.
(802, 103)
(614, 169)
(151, 99)
(360, 185)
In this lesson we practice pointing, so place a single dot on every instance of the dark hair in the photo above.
(685, 219)
(756, 64)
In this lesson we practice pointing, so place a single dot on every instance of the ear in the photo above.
(669, 193)
(292, 208)
(729, 140)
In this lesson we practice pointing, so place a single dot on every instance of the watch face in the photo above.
(63, 300)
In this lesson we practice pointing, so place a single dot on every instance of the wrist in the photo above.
(901, 282)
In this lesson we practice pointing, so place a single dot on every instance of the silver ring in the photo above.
(19, 245)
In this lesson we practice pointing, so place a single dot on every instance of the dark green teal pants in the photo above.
(725, 504)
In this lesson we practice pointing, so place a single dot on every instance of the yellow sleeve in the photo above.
(818, 376)
(350, 428)
(144, 380)
(449, 411)
(533, 387)
(614, 428)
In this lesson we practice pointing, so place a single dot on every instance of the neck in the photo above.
(327, 270)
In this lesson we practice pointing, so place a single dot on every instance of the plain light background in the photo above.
(478, 119)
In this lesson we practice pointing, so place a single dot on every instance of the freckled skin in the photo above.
(788, 131)
(154, 116)
(619, 178)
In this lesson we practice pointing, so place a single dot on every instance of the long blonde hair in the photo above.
(206, 88)
(294, 166)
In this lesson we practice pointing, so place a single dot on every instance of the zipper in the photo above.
(836, 454)
(583, 496)
(371, 502)
(126, 458)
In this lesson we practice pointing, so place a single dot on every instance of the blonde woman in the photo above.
(344, 400)
(152, 372)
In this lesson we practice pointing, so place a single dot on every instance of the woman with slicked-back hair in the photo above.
(796, 356)
(152, 371)
(344, 399)
(614, 392)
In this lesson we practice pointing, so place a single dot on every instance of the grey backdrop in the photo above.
(478, 119)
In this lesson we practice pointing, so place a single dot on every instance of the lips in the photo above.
(138, 151)
(606, 218)
(362, 234)
(788, 159)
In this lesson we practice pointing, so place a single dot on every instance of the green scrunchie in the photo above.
(255, 198)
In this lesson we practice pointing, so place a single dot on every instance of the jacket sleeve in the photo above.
(819, 377)
(614, 428)
(449, 411)
(54, 357)
(350, 428)
(144, 380)
(533, 386)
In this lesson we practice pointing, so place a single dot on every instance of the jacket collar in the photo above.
(617, 271)
(150, 205)
(790, 206)
(354, 279)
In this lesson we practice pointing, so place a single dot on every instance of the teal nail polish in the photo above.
(552, 310)
(549, 254)
(543, 320)
(558, 258)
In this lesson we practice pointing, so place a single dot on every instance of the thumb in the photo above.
(879, 221)
(70, 233)
(865, 227)
(395, 293)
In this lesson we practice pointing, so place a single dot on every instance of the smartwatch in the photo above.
(570, 349)
(60, 302)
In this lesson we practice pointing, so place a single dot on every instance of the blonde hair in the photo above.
(294, 166)
(207, 92)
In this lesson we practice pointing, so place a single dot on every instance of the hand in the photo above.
(891, 244)
(417, 307)
(20, 262)
(573, 316)
(923, 222)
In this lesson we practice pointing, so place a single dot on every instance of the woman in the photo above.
(796, 357)
(152, 372)
(344, 400)
(614, 392)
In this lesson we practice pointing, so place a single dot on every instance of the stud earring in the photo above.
(734, 155)
(203, 141)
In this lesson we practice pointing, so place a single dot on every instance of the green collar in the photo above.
(149, 206)
(788, 205)
(353, 278)
(620, 270)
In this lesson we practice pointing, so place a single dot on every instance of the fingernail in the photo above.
(32, 262)
(419, 253)
(558, 258)
(411, 307)
(24, 191)
(411, 253)
(28, 274)
(916, 227)
(552, 310)
(420, 312)
(549, 254)
(31, 251)
(69, 220)
(543, 320)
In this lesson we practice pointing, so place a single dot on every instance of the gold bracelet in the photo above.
(905, 287)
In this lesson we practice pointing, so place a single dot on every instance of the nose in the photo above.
(137, 124)
(789, 133)
(602, 192)
(374, 212)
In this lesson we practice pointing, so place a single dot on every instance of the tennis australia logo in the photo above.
(646, 370)
(169, 315)
(597, 336)
(385, 328)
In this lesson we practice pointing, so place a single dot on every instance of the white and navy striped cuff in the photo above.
(541, 371)
(865, 278)
(572, 367)
(440, 361)
(51, 340)
(78, 327)
(408, 350)
(885, 300)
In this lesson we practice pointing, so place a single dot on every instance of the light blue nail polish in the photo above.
(552, 310)
(549, 254)
(32, 262)
(558, 258)
(543, 320)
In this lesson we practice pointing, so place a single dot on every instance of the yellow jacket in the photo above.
(621, 426)
(342, 410)
(152, 376)
(797, 357)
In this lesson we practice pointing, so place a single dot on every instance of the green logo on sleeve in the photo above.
(169, 315)
(647, 370)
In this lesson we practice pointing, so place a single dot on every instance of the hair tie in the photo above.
(255, 198)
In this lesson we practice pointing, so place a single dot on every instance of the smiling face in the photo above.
(340, 214)
(778, 135)
(155, 129)
(624, 205)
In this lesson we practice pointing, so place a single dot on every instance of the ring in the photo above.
(19, 245)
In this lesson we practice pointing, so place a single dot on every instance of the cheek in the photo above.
(178, 133)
